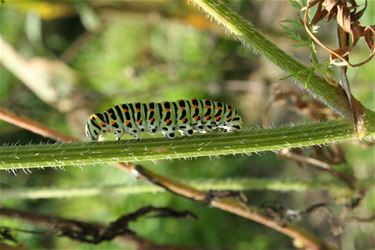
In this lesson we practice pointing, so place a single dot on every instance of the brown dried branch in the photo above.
(92, 232)
(301, 238)
(285, 215)
(34, 126)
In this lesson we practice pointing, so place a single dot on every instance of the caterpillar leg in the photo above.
(199, 127)
(135, 134)
(118, 134)
(187, 131)
(222, 129)
(208, 126)
(169, 132)
(171, 135)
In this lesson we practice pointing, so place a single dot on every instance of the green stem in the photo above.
(235, 184)
(332, 96)
(245, 142)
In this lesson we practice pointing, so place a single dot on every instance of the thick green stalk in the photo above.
(245, 142)
(332, 96)
(236, 184)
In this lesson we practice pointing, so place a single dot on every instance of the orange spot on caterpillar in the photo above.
(139, 122)
(197, 118)
(207, 117)
(217, 118)
(127, 122)
(152, 120)
(208, 106)
(168, 122)
(112, 122)
(184, 120)
(101, 124)
(167, 110)
(125, 110)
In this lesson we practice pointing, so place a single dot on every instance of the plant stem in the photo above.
(234, 184)
(248, 141)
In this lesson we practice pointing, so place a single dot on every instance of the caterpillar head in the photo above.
(92, 128)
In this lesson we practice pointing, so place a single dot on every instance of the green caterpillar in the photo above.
(185, 116)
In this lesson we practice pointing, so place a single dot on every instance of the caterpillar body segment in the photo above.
(183, 116)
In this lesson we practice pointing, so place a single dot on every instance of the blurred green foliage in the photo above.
(140, 54)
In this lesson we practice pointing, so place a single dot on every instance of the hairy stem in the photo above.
(248, 141)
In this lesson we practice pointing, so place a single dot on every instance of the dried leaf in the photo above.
(330, 4)
(343, 18)
(344, 51)
(311, 3)
(331, 14)
(319, 14)
(369, 34)
(356, 31)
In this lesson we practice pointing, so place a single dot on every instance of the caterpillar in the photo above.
(184, 116)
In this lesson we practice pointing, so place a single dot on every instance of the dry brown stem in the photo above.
(34, 126)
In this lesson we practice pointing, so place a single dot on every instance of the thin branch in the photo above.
(34, 126)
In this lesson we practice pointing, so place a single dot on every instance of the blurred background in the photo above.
(62, 60)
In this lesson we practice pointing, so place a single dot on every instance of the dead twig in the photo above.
(34, 126)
